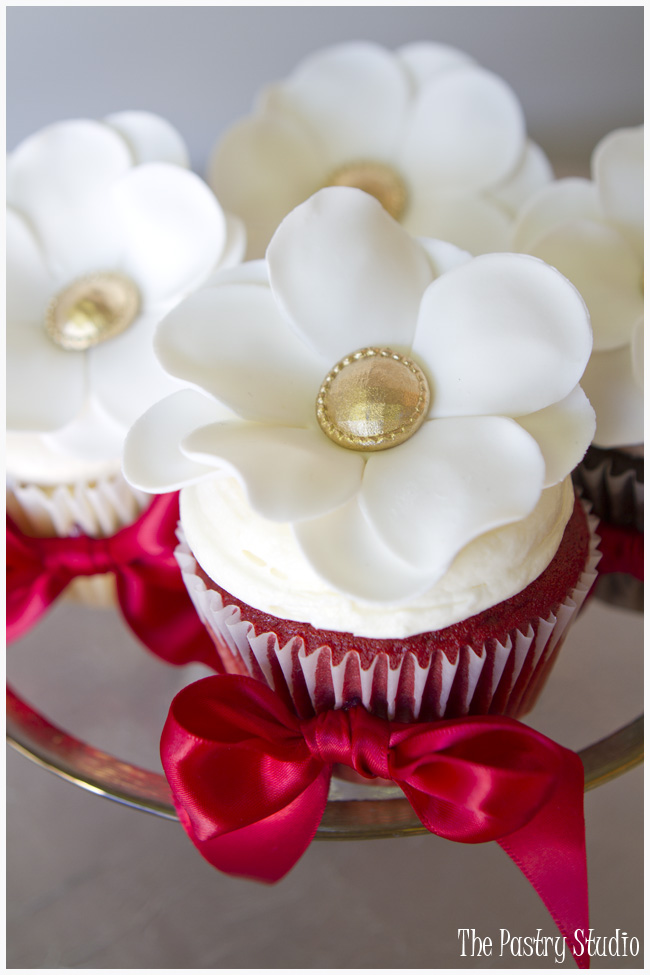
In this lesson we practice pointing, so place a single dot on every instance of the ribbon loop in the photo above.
(480, 779)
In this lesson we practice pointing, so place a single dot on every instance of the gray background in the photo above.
(577, 70)
(94, 885)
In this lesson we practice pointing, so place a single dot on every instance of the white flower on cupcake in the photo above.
(502, 341)
(106, 230)
(592, 231)
(439, 140)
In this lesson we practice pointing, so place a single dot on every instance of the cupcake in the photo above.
(592, 231)
(438, 140)
(106, 231)
(375, 450)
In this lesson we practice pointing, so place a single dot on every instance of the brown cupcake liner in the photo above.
(491, 678)
(613, 481)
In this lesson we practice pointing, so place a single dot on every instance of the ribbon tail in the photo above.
(266, 850)
(163, 617)
(155, 529)
(550, 851)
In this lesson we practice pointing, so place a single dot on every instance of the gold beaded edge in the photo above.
(378, 440)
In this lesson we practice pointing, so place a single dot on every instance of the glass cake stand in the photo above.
(353, 811)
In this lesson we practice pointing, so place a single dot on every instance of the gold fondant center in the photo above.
(373, 399)
(92, 309)
(378, 180)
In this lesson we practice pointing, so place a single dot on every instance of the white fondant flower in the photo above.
(592, 231)
(502, 340)
(101, 198)
(451, 134)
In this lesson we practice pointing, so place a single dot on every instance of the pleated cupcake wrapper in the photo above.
(499, 678)
(98, 509)
(617, 498)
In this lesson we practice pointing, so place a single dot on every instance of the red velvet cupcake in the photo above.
(495, 662)
(374, 452)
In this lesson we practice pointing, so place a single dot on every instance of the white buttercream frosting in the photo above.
(259, 562)
(30, 459)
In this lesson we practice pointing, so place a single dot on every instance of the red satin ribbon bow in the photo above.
(250, 783)
(150, 588)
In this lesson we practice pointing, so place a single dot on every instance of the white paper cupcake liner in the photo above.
(615, 497)
(98, 509)
(493, 678)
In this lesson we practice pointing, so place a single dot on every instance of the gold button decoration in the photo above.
(373, 399)
(92, 309)
(377, 179)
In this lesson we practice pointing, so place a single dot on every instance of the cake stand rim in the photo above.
(32, 734)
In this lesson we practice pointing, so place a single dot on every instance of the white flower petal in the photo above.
(605, 270)
(167, 424)
(476, 224)
(617, 167)
(503, 334)
(91, 434)
(346, 551)
(555, 205)
(353, 96)
(442, 255)
(150, 137)
(46, 386)
(533, 172)
(232, 341)
(617, 399)
(262, 168)
(29, 282)
(346, 275)
(425, 60)
(466, 131)
(174, 229)
(60, 179)
(563, 432)
(452, 481)
(288, 474)
(235, 246)
(125, 375)
(251, 272)
(636, 349)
